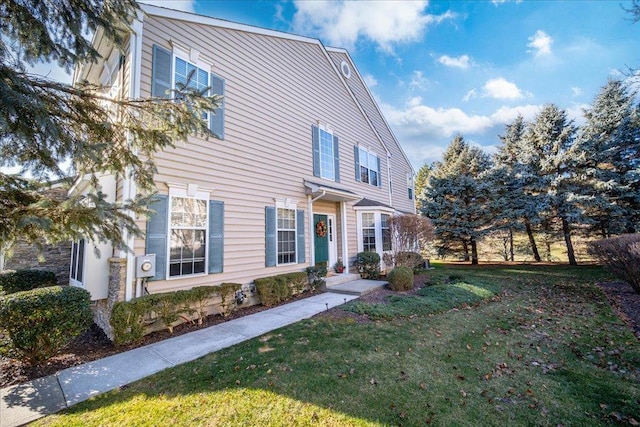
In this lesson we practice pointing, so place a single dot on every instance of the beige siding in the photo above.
(399, 163)
(275, 89)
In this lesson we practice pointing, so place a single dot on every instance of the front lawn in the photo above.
(523, 345)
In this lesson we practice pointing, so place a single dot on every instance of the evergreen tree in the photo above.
(551, 154)
(44, 123)
(514, 208)
(457, 196)
(422, 179)
(610, 142)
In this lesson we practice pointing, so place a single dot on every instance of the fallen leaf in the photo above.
(633, 422)
(373, 381)
(237, 382)
(463, 393)
(423, 386)
(468, 347)
(352, 371)
(251, 367)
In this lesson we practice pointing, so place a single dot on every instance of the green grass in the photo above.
(518, 345)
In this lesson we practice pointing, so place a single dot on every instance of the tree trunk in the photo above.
(466, 250)
(532, 242)
(566, 230)
(511, 244)
(474, 252)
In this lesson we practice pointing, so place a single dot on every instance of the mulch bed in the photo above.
(95, 345)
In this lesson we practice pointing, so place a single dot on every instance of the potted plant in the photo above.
(339, 266)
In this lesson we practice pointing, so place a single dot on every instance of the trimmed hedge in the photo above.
(621, 256)
(368, 264)
(400, 279)
(129, 318)
(26, 280)
(41, 322)
(273, 290)
(413, 260)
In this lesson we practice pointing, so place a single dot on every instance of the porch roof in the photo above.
(329, 192)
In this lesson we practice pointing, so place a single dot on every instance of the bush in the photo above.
(275, 289)
(26, 280)
(400, 279)
(368, 265)
(129, 318)
(41, 322)
(413, 260)
(621, 256)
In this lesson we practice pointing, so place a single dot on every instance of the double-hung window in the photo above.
(188, 75)
(182, 67)
(326, 153)
(188, 236)
(368, 232)
(327, 156)
(386, 233)
(286, 226)
(367, 166)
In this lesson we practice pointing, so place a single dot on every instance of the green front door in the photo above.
(321, 243)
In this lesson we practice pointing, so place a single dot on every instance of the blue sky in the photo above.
(441, 67)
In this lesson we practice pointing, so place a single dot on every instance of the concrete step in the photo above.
(356, 287)
(338, 279)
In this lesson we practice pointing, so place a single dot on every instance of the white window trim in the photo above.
(325, 128)
(187, 191)
(72, 281)
(182, 54)
(288, 204)
(369, 152)
(378, 224)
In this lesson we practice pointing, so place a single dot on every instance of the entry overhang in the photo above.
(329, 193)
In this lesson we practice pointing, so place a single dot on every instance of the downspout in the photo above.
(389, 175)
(129, 186)
(345, 246)
(312, 249)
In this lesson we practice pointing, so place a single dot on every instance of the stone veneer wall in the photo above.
(117, 282)
(56, 258)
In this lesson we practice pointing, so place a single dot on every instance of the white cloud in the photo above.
(342, 23)
(419, 81)
(459, 62)
(576, 91)
(504, 115)
(470, 95)
(540, 43)
(184, 5)
(499, 2)
(418, 119)
(501, 88)
(52, 71)
(576, 113)
(370, 80)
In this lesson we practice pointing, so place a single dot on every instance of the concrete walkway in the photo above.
(27, 402)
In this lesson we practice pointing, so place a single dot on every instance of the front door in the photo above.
(321, 238)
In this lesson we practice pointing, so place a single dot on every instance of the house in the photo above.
(304, 167)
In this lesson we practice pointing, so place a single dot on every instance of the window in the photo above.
(368, 232)
(386, 233)
(326, 155)
(169, 68)
(188, 241)
(326, 162)
(77, 262)
(286, 227)
(410, 186)
(188, 75)
(367, 167)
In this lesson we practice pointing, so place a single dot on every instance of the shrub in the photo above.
(228, 301)
(41, 322)
(129, 318)
(368, 265)
(276, 289)
(26, 280)
(272, 291)
(400, 279)
(413, 260)
(621, 256)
